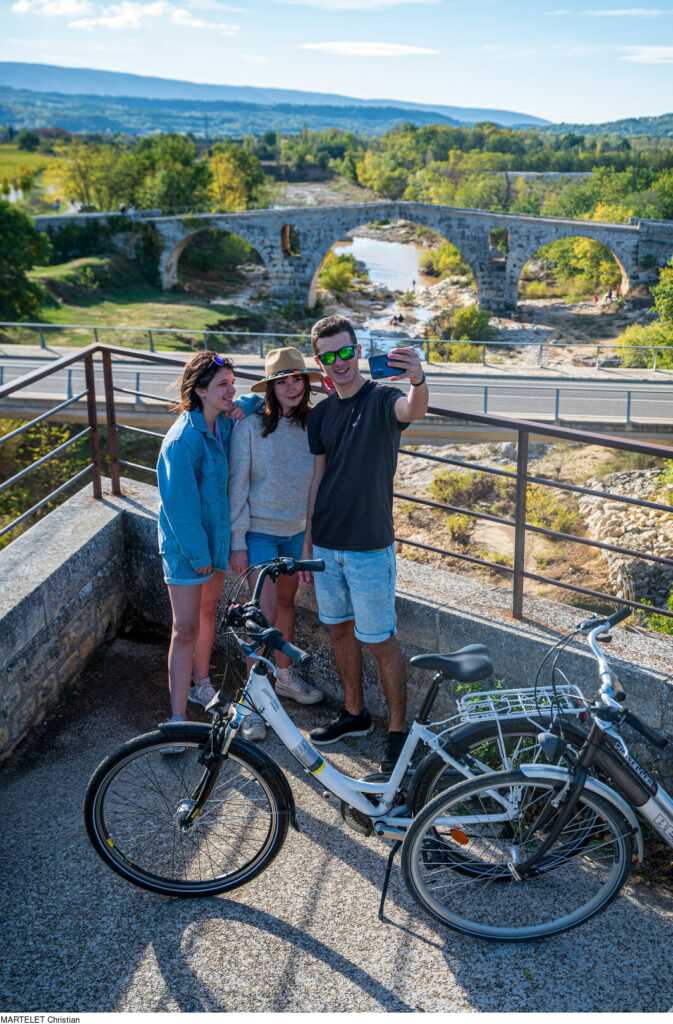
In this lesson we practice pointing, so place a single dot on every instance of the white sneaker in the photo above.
(290, 685)
(202, 694)
(253, 728)
(174, 749)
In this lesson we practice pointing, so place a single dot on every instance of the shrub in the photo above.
(657, 334)
(660, 623)
(459, 528)
(544, 509)
(537, 290)
(338, 272)
(472, 324)
(462, 488)
(454, 352)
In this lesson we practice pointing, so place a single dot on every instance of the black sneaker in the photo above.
(392, 750)
(344, 725)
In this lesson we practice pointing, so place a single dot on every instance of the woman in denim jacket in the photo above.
(193, 474)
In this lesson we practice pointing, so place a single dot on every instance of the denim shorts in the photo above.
(358, 585)
(179, 573)
(262, 547)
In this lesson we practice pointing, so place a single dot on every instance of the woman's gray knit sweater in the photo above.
(269, 478)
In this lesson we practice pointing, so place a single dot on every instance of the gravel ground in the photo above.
(303, 936)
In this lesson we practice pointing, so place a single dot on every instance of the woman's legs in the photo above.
(277, 603)
(192, 636)
(186, 605)
(286, 588)
(210, 595)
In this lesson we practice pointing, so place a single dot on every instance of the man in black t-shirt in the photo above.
(355, 436)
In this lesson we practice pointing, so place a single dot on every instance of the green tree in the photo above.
(21, 247)
(28, 141)
(663, 293)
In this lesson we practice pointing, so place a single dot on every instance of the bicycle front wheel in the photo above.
(464, 858)
(137, 804)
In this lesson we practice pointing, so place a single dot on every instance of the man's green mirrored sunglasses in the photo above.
(345, 353)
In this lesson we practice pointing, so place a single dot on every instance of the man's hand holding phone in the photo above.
(398, 364)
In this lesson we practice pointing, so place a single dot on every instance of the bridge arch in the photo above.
(623, 253)
(321, 248)
(174, 248)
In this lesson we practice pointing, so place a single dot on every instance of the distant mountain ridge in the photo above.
(656, 127)
(89, 82)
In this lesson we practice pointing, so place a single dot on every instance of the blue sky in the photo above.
(573, 62)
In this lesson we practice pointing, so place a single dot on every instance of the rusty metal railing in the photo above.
(521, 477)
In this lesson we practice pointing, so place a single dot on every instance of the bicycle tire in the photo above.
(483, 742)
(130, 810)
(458, 854)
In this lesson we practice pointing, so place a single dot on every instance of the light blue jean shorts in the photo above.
(358, 585)
(262, 547)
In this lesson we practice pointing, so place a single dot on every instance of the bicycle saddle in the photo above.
(466, 665)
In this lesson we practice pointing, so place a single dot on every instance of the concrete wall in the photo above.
(65, 583)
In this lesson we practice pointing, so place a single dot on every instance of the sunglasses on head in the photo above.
(220, 360)
(345, 353)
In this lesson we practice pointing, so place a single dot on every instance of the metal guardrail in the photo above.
(369, 335)
(478, 396)
(521, 477)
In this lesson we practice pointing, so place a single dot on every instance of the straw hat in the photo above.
(280, 362)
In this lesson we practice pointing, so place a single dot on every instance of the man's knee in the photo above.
(342, 630)
(386, 648)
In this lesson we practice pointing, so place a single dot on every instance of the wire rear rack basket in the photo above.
(522, 702)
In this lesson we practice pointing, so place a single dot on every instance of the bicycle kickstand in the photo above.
(386, 880)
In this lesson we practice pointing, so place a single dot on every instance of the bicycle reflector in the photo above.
(459, 837)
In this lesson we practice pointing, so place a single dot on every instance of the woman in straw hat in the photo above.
(270, 470)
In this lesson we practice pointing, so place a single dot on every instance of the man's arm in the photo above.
(307, 551)
(414, 405)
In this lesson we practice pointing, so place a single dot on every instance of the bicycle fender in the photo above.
(200, 731)
(594, 786)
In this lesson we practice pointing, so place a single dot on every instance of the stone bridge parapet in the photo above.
(293, 241)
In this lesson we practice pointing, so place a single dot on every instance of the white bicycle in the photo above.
(192, 810)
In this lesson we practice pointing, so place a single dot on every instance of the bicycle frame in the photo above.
(356, 793)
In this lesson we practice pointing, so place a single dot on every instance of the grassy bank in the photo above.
(109, 291)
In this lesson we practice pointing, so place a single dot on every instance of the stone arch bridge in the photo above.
(293, 241)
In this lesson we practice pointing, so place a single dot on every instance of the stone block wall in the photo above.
(61, 590)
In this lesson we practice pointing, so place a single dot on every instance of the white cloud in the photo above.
(131, 15)
(355, 5)
(214, 5)
(366, 49)
(179, 16)
(630, 12)
(124, 15)
(650, 55)
(69, 8)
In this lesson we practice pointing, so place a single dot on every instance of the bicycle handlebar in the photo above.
(273, 637)
(644, 730)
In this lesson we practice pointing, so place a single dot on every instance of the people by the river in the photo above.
(355, 437)
(270, 471)
(194, 519)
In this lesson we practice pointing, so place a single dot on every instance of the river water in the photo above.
(391, 264)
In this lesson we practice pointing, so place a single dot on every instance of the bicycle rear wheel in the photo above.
(135, 809)
(461, 856)
(488, 745)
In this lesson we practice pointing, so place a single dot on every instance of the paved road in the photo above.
(304, 936)
(530, 397)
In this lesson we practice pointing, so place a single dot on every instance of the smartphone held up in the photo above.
(380, 367)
